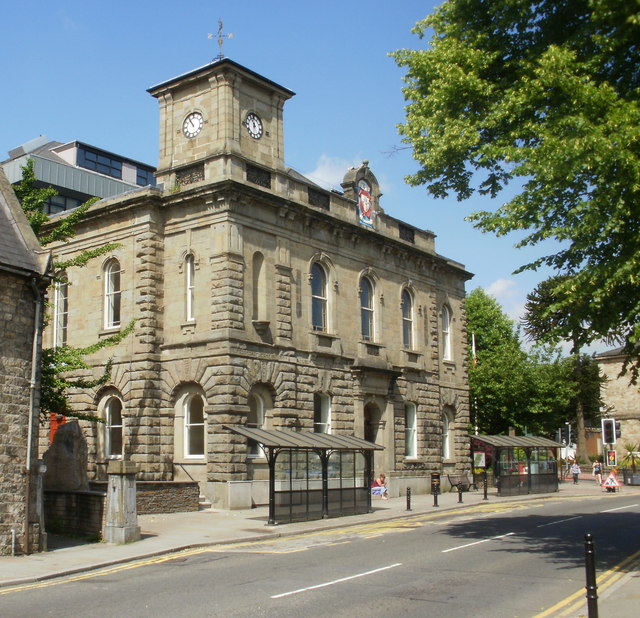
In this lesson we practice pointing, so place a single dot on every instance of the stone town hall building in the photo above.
(261, 299)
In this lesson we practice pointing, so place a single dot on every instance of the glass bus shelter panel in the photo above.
(348, 493)
(298, 486)
(544, 483)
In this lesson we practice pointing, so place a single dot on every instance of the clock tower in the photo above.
(214, 118)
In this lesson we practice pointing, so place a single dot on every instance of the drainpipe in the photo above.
(32, 411)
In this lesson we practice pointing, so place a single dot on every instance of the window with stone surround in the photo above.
(189, 275)
(446, 334)
(319, 298)
(259, 280)
(407, 319)
(410, 431)
(113, 428)
(367, 309)
(194, 427)
(321, 413)
(61, 312)
(256, 419)
(112, 294)
(448, 416)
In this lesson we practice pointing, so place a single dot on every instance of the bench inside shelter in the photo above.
(460, 479)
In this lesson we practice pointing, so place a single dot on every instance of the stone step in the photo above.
(203, 503)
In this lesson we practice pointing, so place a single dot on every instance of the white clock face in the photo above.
(192, 124)
(254, 125)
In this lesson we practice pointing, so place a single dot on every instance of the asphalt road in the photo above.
(514, 559)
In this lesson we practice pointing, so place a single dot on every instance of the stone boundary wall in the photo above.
(162, 496)
(74, 513)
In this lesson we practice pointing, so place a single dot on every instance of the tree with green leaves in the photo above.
(61, 364)
(544, 322)
(510, 387)
(544, 95)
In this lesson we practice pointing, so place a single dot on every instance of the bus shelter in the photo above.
(314, 475)
(521, 464)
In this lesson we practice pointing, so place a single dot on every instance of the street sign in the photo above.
(612, 481)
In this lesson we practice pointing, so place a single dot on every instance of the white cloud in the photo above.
(329, 171)
(503, 289)
(510, 297)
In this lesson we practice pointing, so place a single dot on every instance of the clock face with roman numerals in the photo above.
(254, 125)
(192, 124)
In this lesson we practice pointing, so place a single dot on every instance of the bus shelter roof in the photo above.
(304, 440)
(517, 441)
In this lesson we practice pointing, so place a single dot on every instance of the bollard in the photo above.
(459, 493)
(435, 487)
(485, 484)
(408, 498)
(590, 569)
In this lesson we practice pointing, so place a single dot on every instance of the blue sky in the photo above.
(80, 70)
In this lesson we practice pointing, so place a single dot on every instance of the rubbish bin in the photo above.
(435, 483)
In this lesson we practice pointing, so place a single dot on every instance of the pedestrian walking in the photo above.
(597, 471)
(575, 470)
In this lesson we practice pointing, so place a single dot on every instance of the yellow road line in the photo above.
(604, 581)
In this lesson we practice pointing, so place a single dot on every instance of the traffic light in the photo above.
(608, 431)
(618, 430)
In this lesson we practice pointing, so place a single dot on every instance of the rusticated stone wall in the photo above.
(17, 315)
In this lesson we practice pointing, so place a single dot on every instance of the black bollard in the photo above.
(435, 496)
(408, 498)
(590, 570)
(485, 484)
(459, 493)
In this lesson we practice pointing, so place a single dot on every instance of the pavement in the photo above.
(619, 592)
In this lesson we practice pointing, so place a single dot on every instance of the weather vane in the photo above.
(221, 38)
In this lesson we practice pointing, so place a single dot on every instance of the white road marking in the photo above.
(444, 551)
(553, 523)
(336, 581)
(619, 508)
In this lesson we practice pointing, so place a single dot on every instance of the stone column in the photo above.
(121, 524)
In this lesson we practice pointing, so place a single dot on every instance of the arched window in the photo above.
(446, 334)
(447, 435)
(61, 311)
(256, 419)
(318, 298)
(194, 427)
(410, 431)
(407, 319)
(259, 287)
(113, 427)
(190, 290)
(321, 413)
(112, 294)
(366, 309)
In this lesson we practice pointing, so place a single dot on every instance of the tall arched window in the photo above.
(112, 294)
(447, 435)
(366, 309)
(190, 290)
(61, 310)
(318, 298)
(259, 287)
(194, 427)
(113, 427)
(407, 319)
(446, 334)
(321, 413)
(255, 419)
(410, 431)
